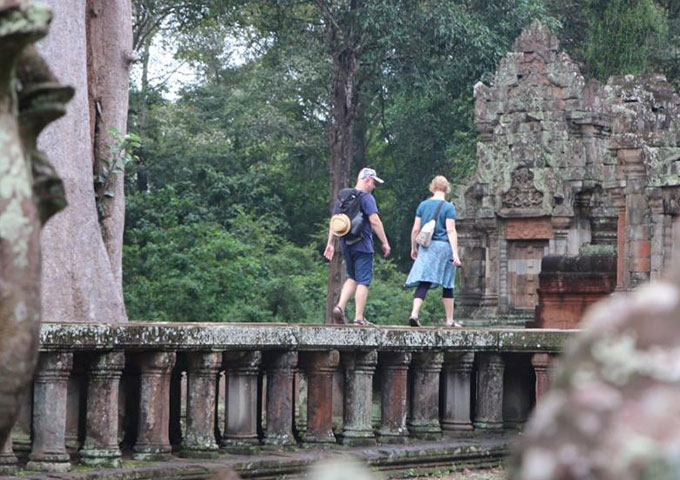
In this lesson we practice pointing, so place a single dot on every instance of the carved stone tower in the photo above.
(562, 164)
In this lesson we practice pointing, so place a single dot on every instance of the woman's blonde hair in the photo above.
(441, 184)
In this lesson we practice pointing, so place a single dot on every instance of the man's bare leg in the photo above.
(345, 294)
(360, 302)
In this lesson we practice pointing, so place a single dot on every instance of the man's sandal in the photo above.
(339, 315)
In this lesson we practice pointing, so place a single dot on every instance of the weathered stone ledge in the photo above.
(290, 375)
(239, 336)
(393, 461)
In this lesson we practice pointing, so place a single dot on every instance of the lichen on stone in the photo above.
(32, 19)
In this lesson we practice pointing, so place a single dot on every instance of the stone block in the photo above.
(528, 228)
(569, 285)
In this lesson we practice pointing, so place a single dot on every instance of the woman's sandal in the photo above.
(362, 322)
(454, 324)
(414, 322)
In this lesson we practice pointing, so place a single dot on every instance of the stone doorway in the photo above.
(524, 266)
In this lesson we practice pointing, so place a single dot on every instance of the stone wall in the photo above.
(569, 285)
(646, 143)
(562, 164)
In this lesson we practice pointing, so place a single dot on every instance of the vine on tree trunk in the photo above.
(121, 151)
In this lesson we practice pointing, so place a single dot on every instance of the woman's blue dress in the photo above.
(433, 263)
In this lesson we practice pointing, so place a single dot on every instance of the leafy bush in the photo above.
(202, 272)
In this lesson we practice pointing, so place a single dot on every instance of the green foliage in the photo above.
(201, 272)
(588, 249)
(421, 96)
(625, 36)
(618, 37)
(179, 268)
(228, 203)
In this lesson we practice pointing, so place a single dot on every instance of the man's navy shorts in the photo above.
(359, 266)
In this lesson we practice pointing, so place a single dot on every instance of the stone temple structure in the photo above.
(565, 167)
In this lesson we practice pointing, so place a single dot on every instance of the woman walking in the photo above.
(435, 264)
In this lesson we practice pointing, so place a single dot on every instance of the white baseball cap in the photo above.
(369, 173)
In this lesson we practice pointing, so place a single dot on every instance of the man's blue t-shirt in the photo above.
(368, 207)
(426, 211)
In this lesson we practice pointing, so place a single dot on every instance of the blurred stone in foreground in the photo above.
(226, 474)
(614, 410)
(340, 469)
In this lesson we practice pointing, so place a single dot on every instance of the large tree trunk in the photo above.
(343, 113)
(79, 283)
(109, 35)
(142, 114)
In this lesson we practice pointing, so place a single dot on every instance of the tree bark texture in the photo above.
(343, 113)
(109, 37)
(21, 168)
(79, 282)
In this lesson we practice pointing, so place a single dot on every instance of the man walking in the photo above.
(359, 256)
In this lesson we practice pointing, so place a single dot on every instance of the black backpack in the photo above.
(349, 203)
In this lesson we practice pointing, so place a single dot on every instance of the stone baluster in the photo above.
(394, 388)
(101, 441)
(202, 369)
(21, 432)
(48, 452)
(153, 435)
(542, 363)
(280, 367)
(457, 371)
(8, 461)
(358, 412)
(320, 367)
(240, 429)
(423, 421)
(490, 367)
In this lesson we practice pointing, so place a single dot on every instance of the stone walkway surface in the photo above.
(393, 461)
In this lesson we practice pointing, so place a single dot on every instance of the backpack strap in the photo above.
(349, 195)
(437, 210)
(346, 194)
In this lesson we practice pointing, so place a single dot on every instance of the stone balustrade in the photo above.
(156, 391)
